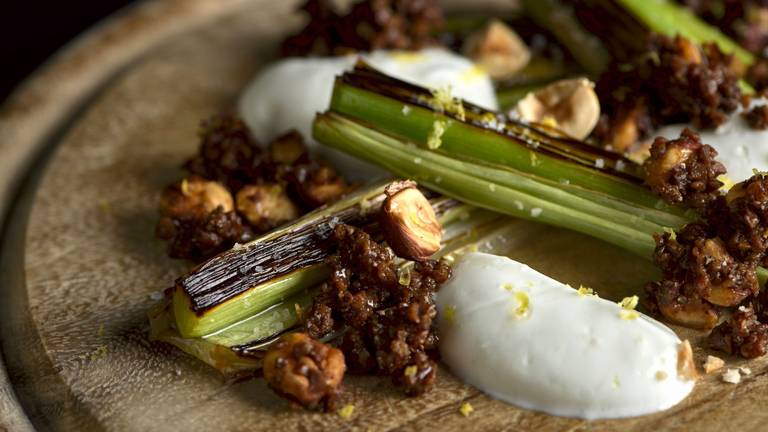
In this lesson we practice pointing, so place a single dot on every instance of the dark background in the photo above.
(32, 30)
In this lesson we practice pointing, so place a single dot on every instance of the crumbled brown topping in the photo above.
(198, 236)
(757, 117)
(369, 25)
(684, 170)
(272, 187)
(305, 371)
(741, 334)
(675, 81)
(389, 324)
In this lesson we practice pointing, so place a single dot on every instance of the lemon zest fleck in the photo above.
(523, 305)
(586, 291)
(450, 314)
(671, 232)
(346, 411)
(434, 139)
(466, 409)
(726, 181)
(410, 371)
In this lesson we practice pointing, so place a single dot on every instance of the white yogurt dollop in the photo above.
(532, 341)
(740, 148)
(287, 94)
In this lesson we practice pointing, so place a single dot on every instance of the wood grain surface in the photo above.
(80, 269)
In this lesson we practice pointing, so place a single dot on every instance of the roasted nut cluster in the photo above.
(757, 117)
(369, 25)
(304, 370)
(200, 217)
(675, 81)
(388, 316)
(684, 170)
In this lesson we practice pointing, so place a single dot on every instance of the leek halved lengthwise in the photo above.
(240, 347)
(252, 277)
(502, 166)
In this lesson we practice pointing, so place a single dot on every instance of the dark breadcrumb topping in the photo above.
(757, 117)
(369, 25)
(273, 186)
(709, 267)
(741, 334)
(197, 236)
(305, 371)
(684, 170)
(388, 320)
(675, 81)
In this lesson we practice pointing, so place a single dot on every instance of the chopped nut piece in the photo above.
(713, 363)
(731, 376)
(745, 370)
(304, 370)
(498, 50)
(686, 368)
(266, 205)
(195, 195)
(572, 103)
(409, 223)
(287, 149)
(466, 409)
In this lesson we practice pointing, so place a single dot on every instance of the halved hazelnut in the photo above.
(195, 195)
(498, 50)
(571, 103)
(409, 223)
(266, 205)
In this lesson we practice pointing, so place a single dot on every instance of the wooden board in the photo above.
(81, 265)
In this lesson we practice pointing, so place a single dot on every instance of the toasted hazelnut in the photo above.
(498, 50)
(195, 195)
(686, 368)
(572, 103)
(287, 148)
(409, 223)
(693, 314)
(304, 370)
(266, 206)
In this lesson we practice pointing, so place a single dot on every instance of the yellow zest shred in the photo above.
(661, 375)
(346, 411)
(628, 305)
(410, 371)
(434, 140)
(445, 102)
(523, 305)
(585, 291)
(671, 232)
(407, 56)
(509, 287)
(185, 187)
(466, 409)
(616, 382)
(534, 159)
(450, 314)
(549, 121)
(726, 181)
(473, 73)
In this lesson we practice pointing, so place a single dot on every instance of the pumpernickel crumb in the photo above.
(757, 117)
(389, 325)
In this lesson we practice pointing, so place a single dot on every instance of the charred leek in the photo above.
(502, 166)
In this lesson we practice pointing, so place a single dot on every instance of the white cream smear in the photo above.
(288, 93)
(740, 148)
(532, 341)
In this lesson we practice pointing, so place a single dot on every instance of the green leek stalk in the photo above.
(251, 278)
(505, 167)
(239, 348)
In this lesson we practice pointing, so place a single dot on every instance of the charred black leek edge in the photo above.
(252, 277)
(239, 348)
(485, 161)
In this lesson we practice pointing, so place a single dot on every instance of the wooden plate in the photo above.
(109, 121)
